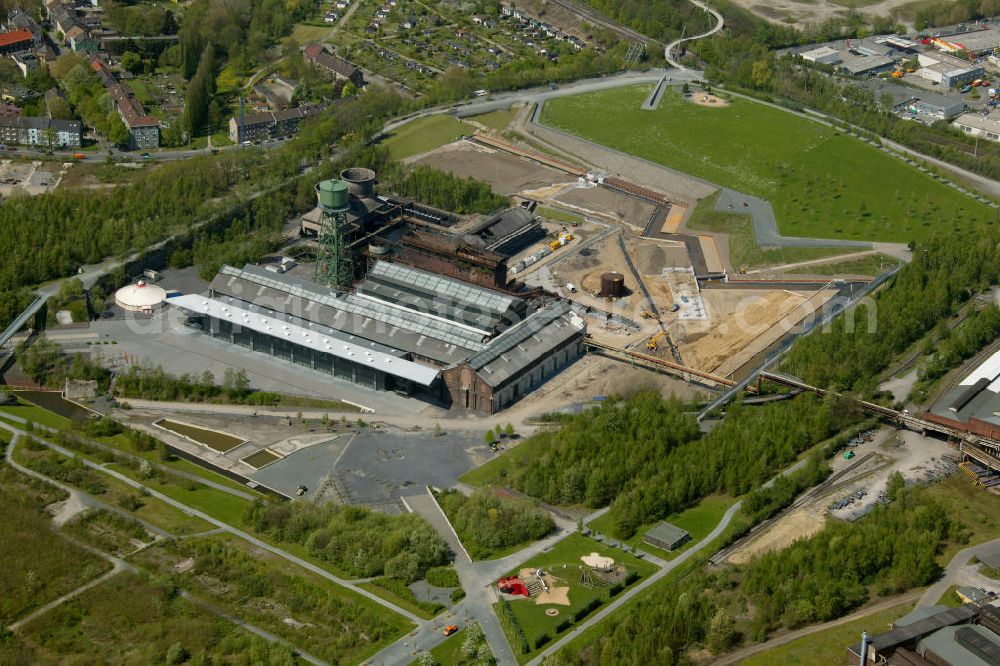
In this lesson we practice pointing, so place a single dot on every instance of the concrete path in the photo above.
(765, 226)
(953, 571)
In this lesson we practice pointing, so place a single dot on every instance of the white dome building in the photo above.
(140, 297)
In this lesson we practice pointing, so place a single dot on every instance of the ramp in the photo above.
(22, 320)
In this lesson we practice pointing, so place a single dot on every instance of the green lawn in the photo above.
(698, 521)
(744, 252)
(424, 134)
(213, 439)
(821, 183)
(563, 561)
(827, 647)
(974, 507)
(141, 90)
(395, 591)
(559, 215)
(498, 120)
(37, 415)
(873, 264)
(216, 503)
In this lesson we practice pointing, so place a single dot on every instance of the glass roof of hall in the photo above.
(454, 289)
(445, 331)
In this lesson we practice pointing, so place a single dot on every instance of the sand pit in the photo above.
(674, 219)
(552, 612)
(505, 172)
(741, 317)
(602, 201)
(597, 561)
(558, 596)
(713, 261)
(709, 100)
(795, 526)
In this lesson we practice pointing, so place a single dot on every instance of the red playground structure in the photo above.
(513, 586)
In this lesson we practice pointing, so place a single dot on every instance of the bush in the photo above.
(486, 523)
(542, 640)
(443, 577)
(563, 626)
(457, 595)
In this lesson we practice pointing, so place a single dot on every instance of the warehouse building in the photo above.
(866, 65)
(976, 124)
(401, 329)
(947, 69)
(823, 55)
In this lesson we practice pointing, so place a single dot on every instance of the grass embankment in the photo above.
(396, 591)
(873, 265)
(827, 646)
(496, 120)
(821, 183)
(424, 134)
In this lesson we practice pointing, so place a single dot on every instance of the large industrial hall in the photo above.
(401, 329)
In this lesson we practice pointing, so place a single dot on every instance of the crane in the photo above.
(651, 343)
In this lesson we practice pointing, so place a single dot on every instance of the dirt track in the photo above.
(506, 173)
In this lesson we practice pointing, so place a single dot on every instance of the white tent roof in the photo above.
(140, 295)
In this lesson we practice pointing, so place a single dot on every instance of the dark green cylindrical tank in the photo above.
(332, 195)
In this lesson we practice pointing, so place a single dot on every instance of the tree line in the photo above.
(443, 189)
(943, 275)
(646, 457)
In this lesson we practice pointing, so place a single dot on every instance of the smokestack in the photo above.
(864, 648)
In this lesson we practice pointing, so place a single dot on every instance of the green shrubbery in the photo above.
(487, 523)
(358, 541)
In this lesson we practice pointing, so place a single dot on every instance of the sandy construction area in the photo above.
(797, 525)
(603, 201)
(505, 172)
(744, 321)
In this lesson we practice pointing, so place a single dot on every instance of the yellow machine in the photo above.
(651, 344)
(646, 314)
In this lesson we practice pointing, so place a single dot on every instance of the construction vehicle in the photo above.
(897, 74)
(651, 344)
(555, 245)
(646, 314)
(450, 629)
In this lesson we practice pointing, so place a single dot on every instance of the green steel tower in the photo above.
(334, 265)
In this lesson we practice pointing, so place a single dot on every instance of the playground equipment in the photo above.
(514, 586)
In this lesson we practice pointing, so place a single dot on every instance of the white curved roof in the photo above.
(140, 295)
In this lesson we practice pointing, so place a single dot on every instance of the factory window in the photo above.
(342, 370)
(324, 363)
(992, 136)
(225, 329)
(301, 355)
(282, 349)
(365, 376)
(243, 337)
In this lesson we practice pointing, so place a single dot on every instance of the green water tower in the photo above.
(334, 265)
(332, 195)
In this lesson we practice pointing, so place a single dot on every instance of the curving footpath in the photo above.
(668, 53)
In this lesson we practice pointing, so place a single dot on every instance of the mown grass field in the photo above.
(873, 264)
(424, 134)
(744, 252)
(821, 183)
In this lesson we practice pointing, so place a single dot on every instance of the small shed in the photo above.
(666, 536)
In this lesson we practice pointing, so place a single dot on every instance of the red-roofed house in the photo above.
(16, 40)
